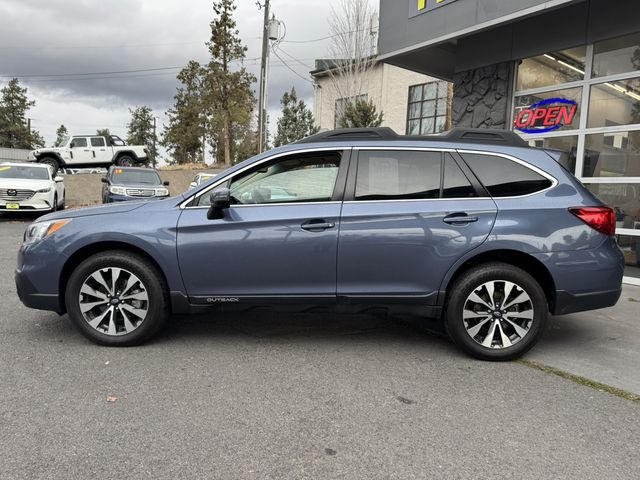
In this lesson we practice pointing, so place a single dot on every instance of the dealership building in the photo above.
(565, 74)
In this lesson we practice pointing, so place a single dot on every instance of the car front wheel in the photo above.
(117, 299)
(496, 312)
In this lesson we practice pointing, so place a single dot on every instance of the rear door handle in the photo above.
(317, 225)
(459, 219)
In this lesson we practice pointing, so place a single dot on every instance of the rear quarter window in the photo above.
(505, 178)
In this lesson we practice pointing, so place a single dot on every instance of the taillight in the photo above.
(602, 219)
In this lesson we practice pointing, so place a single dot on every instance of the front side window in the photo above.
(398, 175)
(505, 178)
(79, 143)
(294, 179)
(428, 108)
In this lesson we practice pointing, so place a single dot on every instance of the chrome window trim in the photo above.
(183, 205)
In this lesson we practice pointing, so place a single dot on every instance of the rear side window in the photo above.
(97, 142)
(505, 178)
(398, 175)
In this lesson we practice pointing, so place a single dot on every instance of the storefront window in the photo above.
(524, 102)
(624, 199)
(566, 146)
(615, 103)
(552, 69)
(428, 108)
(612, 154)
(620, 55)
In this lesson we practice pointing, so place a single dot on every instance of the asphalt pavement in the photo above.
(304, 397)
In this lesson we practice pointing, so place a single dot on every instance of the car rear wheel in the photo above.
(117, 299)
(496, 312)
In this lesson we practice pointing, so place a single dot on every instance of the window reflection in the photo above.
(619, 55)
(615, 103)
(612, 154)
(552, 69)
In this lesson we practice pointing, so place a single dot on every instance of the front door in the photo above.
(408, 216)
(80, 151)
(278, 239)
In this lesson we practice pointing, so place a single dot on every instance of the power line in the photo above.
(91, 73)
(275, 52)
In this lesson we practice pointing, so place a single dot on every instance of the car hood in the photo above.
(24, 183)
(99, 210)
(136, 185)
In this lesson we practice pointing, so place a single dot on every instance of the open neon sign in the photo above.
(547, 116)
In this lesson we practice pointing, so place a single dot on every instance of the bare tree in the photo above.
(353, 25)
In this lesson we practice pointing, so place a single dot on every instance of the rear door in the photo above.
(408, 216)
(99, 150)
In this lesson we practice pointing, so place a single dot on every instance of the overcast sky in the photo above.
(61, 37)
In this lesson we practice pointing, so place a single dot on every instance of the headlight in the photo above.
(40, 230)
(44, 190)
(162, 192)
(118, 190)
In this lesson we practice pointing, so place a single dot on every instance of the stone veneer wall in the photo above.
(481, 97)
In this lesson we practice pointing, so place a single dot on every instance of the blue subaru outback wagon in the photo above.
(473, 227)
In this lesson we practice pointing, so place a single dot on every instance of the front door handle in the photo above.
(459, 218)
(317, 225)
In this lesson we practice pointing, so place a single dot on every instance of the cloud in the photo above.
(92, 36)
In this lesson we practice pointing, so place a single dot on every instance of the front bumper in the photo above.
(29, 296)
(38, 203)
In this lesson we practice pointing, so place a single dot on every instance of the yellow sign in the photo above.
(422, 6)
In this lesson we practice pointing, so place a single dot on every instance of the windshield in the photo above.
(64, 141)
(30, 173)
(136, 177)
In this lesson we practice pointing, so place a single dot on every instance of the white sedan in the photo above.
(30, 187)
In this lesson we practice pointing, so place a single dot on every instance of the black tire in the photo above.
(52, 162)
(125, 161)
(472, 281)
(150, 278)
(64, 200)
(54, 207)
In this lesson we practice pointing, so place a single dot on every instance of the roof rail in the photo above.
(342, 134)
(464, 135)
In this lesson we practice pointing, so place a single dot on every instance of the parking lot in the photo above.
(315, 396)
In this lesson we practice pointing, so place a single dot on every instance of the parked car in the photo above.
(473, 227)
(201, 178)
(29, 187)
(122, 184)
(91, 151)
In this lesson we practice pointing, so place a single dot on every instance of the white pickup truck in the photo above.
(86, 151)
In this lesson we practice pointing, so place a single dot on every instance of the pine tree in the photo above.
(228, 98)
(296, 121)
(140, 130)
(61, 133)
(361, 114)
(14, 127)
(103, 132)
(182, 137)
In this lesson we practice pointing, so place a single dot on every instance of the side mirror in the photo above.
(220, 201)
(58, 179)
(193, 185)
(71, 145)
(104, 180)
(166, 183)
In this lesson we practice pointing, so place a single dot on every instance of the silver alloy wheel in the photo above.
(498, 314)
(113, 301)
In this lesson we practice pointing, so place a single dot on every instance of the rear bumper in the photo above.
(572, 303)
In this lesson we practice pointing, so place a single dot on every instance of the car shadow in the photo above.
(20, 217)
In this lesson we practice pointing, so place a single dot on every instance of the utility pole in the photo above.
(29, 127)
(155, 164)
(264, 72)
